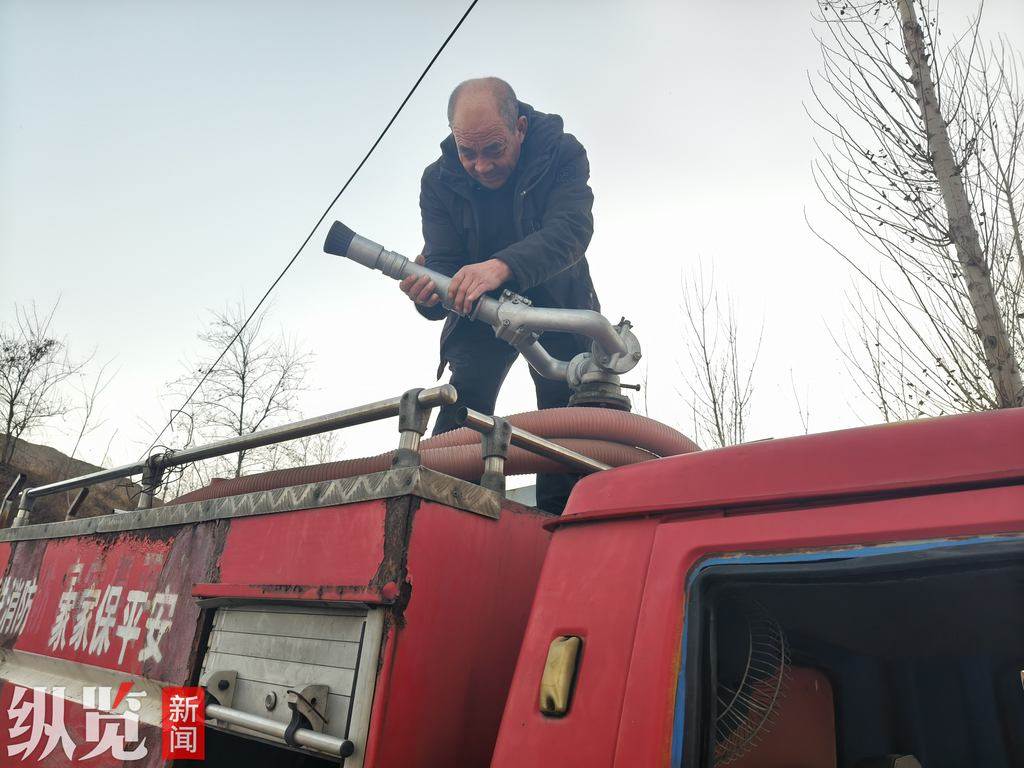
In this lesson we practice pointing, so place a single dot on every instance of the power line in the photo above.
(316, 226)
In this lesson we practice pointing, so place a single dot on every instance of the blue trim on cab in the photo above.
(795, 557)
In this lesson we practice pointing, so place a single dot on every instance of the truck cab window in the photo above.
(898, 660)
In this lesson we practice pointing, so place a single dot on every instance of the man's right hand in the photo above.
(420, 289)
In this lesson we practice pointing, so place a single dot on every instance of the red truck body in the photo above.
(453, 600)
(430, 570)
(626, 552)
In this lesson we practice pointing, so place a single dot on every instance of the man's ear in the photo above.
(521, 124)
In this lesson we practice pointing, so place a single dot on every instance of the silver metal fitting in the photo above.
(152, 476)
(221, 687)
(412, 424)
(24, 509)
(309, 705)
(619, 362)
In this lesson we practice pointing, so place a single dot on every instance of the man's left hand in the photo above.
(474, 280)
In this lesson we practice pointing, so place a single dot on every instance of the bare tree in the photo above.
(34, 366)
(720, 372)
(87, 393)
(925, 160)
(305, 451)
(255, 385)
(106, 451)
(803, 404)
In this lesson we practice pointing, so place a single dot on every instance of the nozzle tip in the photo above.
(338, 239)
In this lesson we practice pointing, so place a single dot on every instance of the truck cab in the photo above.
(845, 599)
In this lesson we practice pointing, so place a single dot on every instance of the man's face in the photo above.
(488, 149)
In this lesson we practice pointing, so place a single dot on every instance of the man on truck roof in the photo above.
(507, 205)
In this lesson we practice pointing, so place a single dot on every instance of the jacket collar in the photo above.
(542, 134)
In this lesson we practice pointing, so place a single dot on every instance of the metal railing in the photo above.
(413, 409)
(152, 469)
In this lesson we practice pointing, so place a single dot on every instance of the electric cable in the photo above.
(316, 226)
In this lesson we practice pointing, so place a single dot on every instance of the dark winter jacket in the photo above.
(551, 211)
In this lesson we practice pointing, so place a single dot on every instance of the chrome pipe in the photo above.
(71, 484)
(534, 443)
(342, 241)
(584, 322)
(394, 265)
(444, 394)
(305, 737)
(542, 361)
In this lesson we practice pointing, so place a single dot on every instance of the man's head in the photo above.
(489, 133)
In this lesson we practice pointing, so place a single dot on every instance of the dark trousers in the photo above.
(479, 362)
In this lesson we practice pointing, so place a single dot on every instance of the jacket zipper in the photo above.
(520, 199)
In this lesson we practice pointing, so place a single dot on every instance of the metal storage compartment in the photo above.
(274, 649)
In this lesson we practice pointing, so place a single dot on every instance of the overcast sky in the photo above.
(158, 159)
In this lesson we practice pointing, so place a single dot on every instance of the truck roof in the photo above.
(905, 458)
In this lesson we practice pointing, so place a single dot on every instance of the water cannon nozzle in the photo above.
(338, 239)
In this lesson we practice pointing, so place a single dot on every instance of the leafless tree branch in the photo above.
(922, 151)
(254, 386)
(719, 373)
(34, 367)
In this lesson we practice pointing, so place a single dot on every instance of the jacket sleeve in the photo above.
(566, 227)
(443, 248)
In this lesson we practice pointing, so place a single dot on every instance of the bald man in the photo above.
(507, 205)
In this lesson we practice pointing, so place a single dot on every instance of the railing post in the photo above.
(24, 509)
(412, 424)
(152, 476)
(533, 443)
(494, 449)
(9, 497)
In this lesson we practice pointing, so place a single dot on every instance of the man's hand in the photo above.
(420, 289)
(474, 280)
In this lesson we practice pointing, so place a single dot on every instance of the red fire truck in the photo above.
(843, 599)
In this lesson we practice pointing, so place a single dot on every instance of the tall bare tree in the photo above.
(719, 372)
(34, 366)
(925, 160)
(254, 385)
(88, 390)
